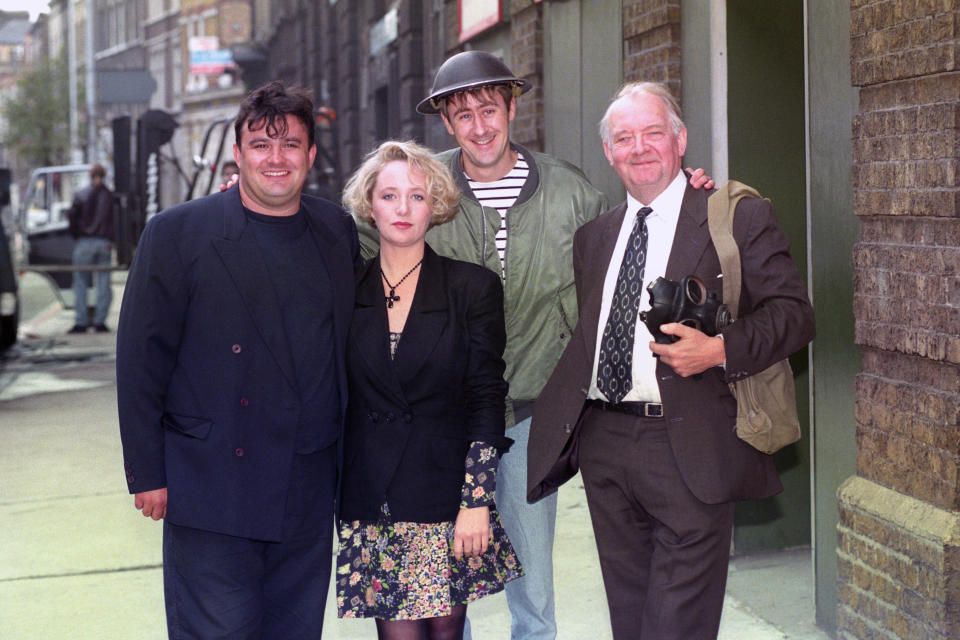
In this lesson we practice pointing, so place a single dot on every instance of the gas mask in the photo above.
(687, 302)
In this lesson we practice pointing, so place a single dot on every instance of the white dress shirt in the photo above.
(661, 227)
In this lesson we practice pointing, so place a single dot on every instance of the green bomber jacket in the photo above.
(540, 304)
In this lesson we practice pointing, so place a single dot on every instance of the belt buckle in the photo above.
(652, 410)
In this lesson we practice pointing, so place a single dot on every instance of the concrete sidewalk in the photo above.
(77, 561)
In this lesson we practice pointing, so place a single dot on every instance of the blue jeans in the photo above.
(91, 251)
(530, 528)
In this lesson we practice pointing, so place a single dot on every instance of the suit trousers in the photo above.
(663, 553)
(222, 586)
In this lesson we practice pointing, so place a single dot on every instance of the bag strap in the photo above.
(720, 209)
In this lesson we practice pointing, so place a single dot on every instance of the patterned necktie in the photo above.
(615, 369)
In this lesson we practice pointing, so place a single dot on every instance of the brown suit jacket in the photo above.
(775, 320)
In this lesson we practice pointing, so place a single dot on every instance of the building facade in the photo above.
(844, 113)
(15, 30)
(899, 542)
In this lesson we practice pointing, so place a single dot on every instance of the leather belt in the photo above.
(642, 409)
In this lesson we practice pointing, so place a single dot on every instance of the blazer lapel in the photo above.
(369, 332)
(427, 318)
(692, 236)
(241, 256)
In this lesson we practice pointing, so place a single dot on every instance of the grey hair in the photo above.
(637, 89)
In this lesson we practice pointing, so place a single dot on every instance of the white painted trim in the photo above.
(720, 160)
(811, 380)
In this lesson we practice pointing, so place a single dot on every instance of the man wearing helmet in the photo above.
(517, 217)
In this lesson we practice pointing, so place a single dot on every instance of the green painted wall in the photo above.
(833, 230)
(582, 72)
(696, 84)
(765, 119)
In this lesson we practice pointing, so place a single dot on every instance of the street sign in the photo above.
(210, 62)
(206, 56)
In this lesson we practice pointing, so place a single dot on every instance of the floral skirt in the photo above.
(406, 570)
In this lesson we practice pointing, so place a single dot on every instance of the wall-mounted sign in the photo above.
(477, 16)
(206, 56)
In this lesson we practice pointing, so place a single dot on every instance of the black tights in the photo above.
(441, 628)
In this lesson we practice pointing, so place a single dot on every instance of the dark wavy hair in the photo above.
(270, 104)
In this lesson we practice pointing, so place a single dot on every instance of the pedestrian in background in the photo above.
(232, 388)
(652, 425)
(420, 537)
(91, 225)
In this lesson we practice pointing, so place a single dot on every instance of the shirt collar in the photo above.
(667, 204)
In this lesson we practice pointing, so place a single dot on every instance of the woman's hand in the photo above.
(471, 533)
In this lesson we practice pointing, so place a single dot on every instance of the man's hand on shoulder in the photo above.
(693, 353)
(700, 180)
(234, 179)
(153, 503)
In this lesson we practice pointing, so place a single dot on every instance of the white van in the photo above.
(43, 224)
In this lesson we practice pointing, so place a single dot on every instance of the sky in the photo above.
(35, 7)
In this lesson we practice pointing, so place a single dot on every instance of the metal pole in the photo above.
(72, 79)
(93, 152)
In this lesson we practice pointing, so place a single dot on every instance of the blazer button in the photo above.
(244, 402)
(374, 416)
(391, 416)
(238, 452)
(131, 479)
(236, 348)
(567, 429)
(407, 417)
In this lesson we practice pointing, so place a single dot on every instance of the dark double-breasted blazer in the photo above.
(412, 419)
(774, 320)
(205, 376)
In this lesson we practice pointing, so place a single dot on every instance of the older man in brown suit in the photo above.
(651, 426)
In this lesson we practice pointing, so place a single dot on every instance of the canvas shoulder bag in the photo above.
(766, 401)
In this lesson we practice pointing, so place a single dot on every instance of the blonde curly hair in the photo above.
(442, 191)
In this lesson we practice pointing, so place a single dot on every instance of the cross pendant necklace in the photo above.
(393, 297)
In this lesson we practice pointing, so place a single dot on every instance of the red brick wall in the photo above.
(651, 35)
(898, 574)
(907, 264)
(526, 38)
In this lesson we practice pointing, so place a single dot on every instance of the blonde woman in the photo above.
(420, 537)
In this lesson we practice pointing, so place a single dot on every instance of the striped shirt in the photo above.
(501, 195)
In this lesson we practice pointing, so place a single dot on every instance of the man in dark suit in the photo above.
(231, 384)
(650, 425)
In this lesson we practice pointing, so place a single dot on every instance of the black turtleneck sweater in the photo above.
(304, 293)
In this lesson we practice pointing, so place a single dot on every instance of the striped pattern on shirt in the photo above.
(501, 195)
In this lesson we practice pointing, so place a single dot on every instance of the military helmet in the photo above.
(469, 70)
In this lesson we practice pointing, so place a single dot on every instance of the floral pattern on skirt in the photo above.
(407, 571)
